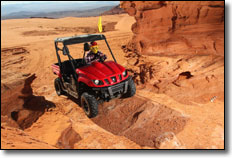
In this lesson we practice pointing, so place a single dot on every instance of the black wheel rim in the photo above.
(85, 106)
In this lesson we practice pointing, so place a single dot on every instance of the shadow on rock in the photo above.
(22, 106)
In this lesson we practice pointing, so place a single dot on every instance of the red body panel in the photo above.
(97, 71)
(56, 70)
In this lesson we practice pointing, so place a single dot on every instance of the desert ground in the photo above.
(33, 116)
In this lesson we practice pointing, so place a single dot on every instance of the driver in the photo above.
(94, 54)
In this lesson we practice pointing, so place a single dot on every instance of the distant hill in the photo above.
(114, 10)
(57, 14)
(52, 6)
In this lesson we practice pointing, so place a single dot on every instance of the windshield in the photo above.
(77, 50)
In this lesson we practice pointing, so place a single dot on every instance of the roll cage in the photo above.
(75, 40)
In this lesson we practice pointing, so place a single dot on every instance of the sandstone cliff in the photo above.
(178, 48)
(177, 27)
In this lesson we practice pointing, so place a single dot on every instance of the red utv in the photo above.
(91, 83)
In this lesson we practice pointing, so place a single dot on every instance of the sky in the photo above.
(9, 7)
(25, 2)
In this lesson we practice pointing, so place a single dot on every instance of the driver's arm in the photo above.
(89, 57)
(103, 56)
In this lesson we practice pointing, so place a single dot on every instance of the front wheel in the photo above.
(131, 89)
(89, 104)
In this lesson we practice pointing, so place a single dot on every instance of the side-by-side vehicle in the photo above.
(91, 83)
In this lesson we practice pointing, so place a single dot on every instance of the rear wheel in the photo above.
(131, 89)
(89, 104)
(57, 84)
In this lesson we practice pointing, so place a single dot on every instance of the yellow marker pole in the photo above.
(100, 24)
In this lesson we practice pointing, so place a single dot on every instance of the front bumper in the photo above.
(114, 91)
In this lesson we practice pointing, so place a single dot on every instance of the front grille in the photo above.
(107, 81)
(113, 79)
(118, 87)
(120, 77)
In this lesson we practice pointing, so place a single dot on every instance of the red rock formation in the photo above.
(177, 52)
(177, 27)
(14, 138)
(129, 117)
(19, 107)
(178, 48)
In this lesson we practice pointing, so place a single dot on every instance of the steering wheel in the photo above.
(101, 60)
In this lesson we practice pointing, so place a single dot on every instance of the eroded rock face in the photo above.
(178, 48)
(181, 27)
(19, 107)
(142, 121)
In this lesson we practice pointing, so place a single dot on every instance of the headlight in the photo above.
(97, 82)
(124, 73)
